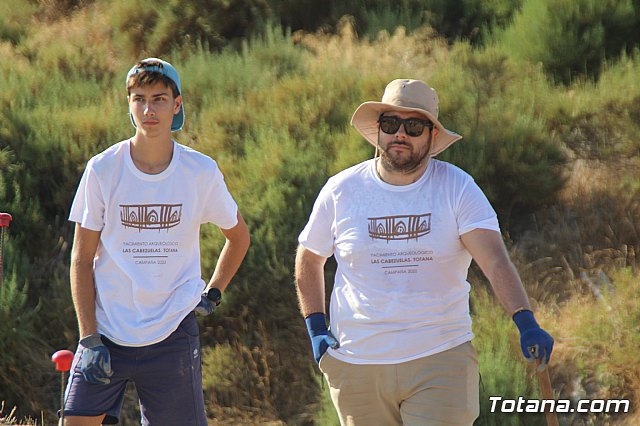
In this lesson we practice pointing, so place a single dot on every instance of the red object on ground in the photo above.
(5, 219)
(63, 360)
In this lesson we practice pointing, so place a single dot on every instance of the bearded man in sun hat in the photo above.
(403, 228)
(135, 273)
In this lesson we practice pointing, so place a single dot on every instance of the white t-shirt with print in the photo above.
(401, 289)
(147, 265)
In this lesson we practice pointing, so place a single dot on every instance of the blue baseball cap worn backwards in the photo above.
(165, 68)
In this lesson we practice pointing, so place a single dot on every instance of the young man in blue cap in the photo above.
(135, 263)
(403, 228)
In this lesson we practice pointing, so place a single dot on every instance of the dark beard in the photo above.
(406, 166)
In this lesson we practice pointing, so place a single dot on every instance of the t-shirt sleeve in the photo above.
(318, 235)
(219, 208)
(88, 205)
(474, 210)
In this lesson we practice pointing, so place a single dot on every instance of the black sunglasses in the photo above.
(412, 126)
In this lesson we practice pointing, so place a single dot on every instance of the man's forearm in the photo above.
(508, 288)
(488, 250)
(310, 281)
(228, 264)
(232, 254)
(84, 297)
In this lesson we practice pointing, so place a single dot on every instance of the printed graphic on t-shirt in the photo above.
(150, 217)
(403, 227)
(392, 262)
(399, 228)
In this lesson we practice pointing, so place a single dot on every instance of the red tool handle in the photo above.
(63, 360)
(5, 219)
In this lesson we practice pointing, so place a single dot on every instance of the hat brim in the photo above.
(365, 121)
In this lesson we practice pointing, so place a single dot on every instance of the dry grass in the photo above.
(404, 55)
(595, 356)
(579, 262)
(591, 176)
(9, 418)
(592, 231)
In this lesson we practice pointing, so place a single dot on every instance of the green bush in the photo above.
(22, 363)
(326, 414)
(503, 369)
(237, 378)
(471, 20)
(497, 106)
(601, 120)
(156, 28)
(15, 19)
(573, 38)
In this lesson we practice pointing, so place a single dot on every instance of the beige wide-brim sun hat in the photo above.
(404, 95)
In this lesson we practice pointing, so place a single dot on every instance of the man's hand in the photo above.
(95, 360)
(209, 301)
(321, 337)
(205, 307)
(534, 341)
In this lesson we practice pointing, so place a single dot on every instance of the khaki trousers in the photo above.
(437, 390)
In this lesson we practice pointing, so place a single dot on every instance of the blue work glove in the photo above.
(321, 337)
(209, 301)
(534, 341)
(95, 360)
(205, 307)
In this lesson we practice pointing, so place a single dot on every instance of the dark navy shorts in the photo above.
(167, 376)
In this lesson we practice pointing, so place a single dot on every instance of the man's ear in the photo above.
(177, 104)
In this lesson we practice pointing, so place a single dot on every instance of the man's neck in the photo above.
(151, 155)
(393, 177)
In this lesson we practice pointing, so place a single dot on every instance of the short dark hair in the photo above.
(146, 77)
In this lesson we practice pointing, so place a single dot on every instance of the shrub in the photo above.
(571, 38)
(599, 340)
(156, 28)
(503, 369)
(471, 20)
(496, 105)
(15, 18)
(21, 364)
(600, 120)
(236, 381)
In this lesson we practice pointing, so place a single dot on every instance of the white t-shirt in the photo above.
(401, 289)
(147, 266)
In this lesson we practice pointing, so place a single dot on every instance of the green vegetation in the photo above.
(572, 38)
(549, 106)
